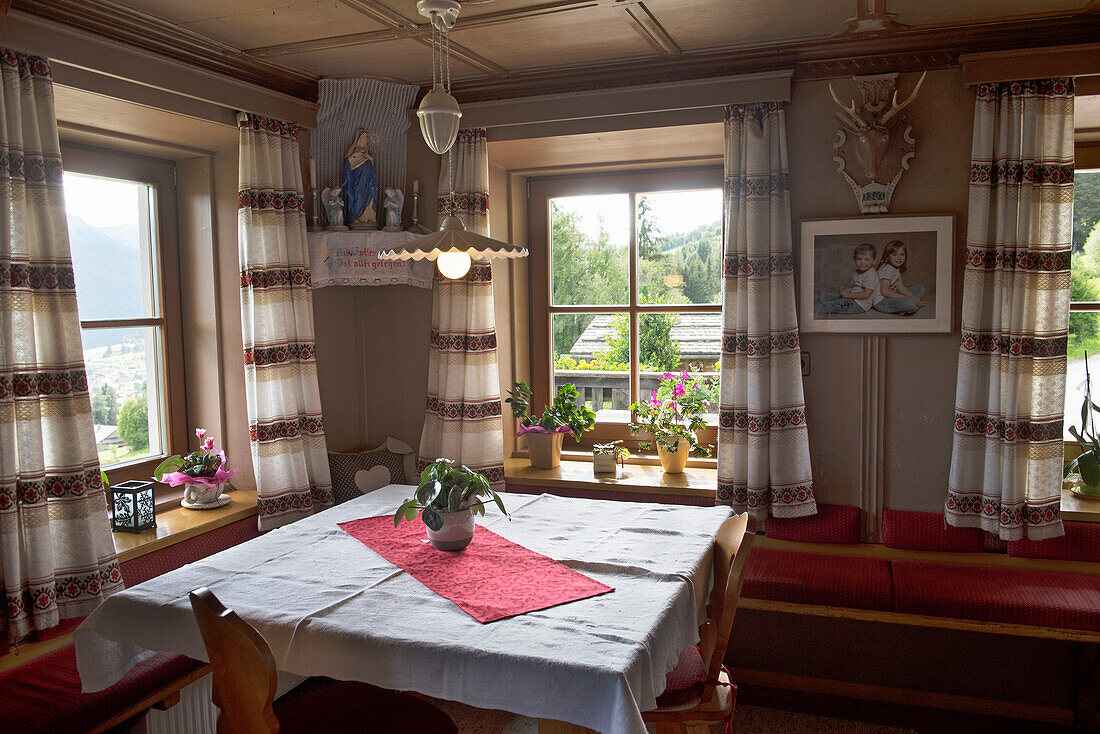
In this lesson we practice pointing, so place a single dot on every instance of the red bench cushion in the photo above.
(1012, 595)
(1080, 543)
(831, 524)
(813, 578)
(927, 531)
(43, 696)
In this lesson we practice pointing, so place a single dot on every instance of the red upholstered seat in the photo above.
(812, 578)
(685, 683)
(43, 696)
(1012, 595)
(151, 565)
(359, 707)
(927, 531)
(831, 524)
(1080, 543)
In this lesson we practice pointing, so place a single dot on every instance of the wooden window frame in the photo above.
(623, 182)
(160, 174)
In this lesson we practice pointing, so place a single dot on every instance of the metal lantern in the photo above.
(134, 507)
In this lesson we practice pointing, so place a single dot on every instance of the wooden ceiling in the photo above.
(509, 47)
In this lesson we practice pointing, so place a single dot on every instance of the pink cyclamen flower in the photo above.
(200, 433)
(208, 443)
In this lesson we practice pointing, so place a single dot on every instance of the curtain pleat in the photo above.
(463, 420)
(763, 447)
(286, 429)
(57, 556)
(1007, 454)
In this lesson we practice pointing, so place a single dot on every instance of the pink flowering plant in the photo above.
(205, 466)
(673, 412)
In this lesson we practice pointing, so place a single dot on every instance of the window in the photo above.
(626, 286)
(121, 218)
(1084, 317)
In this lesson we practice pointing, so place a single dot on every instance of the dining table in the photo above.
(328, 605)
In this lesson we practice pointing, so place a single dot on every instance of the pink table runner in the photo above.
(492, 579)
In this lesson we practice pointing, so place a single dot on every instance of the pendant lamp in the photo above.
(438, 112)
(453, 248)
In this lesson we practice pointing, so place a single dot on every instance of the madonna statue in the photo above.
(360, 183)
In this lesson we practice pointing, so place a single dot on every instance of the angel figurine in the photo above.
(393, 203)
(332, 198)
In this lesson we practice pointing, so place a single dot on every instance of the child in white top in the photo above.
(896, 297)
(862, 291)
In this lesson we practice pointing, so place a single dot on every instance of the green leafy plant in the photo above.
(444, 488)
(202, 463)
(564, 411)
(1088, 463)
(674, 412)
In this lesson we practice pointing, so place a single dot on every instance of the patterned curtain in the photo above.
(284, 403)
(763, 449)
(1006, 461)
(57, 557)
(463, 420)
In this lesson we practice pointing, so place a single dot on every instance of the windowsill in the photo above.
(636, 478)
(1078, 510)
(179, 523)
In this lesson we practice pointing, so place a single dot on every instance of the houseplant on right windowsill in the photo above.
(545, 433)
(672, 415)
(1087, 465)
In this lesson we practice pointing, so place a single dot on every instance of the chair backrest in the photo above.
(732, 545)
(243, 668)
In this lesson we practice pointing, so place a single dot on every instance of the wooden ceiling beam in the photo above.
(650, 29)
(470, 58)
(380, 13)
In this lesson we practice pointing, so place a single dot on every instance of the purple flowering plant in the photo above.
(673, 412)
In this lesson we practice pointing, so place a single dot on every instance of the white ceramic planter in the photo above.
(456, 533)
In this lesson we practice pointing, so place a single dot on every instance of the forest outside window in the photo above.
(1084, 317)
(121, 223)
(631, 269)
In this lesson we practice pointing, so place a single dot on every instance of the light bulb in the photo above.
(453, 265)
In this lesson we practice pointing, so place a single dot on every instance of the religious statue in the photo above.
(361, 183)
(333, 200)
(393, 202)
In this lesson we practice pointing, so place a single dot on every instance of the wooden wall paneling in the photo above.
(872, 435)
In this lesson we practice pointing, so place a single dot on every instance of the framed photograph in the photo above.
(877, 275)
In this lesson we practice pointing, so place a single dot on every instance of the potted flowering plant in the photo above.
(1087, 464)
(672, 415)
(202, 473)
(545, 433)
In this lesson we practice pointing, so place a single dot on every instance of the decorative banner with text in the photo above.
(351, 258)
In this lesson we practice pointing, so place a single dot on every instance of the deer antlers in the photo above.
(895, 107)
(851, 116)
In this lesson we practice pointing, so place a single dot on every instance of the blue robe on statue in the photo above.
(361, 189)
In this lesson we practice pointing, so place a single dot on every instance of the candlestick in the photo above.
(416, 186)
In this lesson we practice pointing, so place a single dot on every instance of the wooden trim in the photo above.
(1087, 154)
(640, 479)
(903, 696)
(179, 524)
(25, 652)
(1031, 63)
(918, 620)
(873, 550)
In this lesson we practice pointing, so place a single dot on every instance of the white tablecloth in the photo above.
(328, 605)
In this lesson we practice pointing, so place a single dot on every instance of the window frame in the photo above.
(161, 175)
(541, 191)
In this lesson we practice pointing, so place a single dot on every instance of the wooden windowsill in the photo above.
(1078, 510)
(179, 524)
(638, 478)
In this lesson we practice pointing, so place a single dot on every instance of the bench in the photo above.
(927, 574)
(41, 692)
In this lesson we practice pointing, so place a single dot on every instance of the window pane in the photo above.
(589, 245)
(1084, 335)
(674, 342)
(592, 352)
(111, 233)
(124, 379)
(680, 246)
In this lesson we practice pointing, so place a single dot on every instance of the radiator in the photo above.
(194, 714)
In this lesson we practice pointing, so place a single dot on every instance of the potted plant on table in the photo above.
(447, 499)
(672, 415)
(1087, 465)
(202, 473)
(545, 433)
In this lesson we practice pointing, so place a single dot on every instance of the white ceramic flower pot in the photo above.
(456, 533)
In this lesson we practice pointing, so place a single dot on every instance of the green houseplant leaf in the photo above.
(445, 488)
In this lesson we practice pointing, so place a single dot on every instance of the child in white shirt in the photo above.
(896, 297)
(862, 291)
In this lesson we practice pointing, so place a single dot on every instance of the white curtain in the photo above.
(763, 449)
(463, 419)
(57, 557)
(284, 404)
(1006, 461)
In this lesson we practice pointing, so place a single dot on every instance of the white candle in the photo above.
(416, 186)
(312, 172)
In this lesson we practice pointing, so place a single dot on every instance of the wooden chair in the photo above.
(245, 680)
(698, 691)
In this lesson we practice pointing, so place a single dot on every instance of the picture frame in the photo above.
(921, 266)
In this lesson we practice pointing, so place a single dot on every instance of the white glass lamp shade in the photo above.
(439, 115)
(452, 247)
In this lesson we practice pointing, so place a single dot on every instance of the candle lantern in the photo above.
(134, 507)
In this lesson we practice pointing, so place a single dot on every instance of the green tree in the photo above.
(105, 406)
(649, 246)
(133, 423)
(659, 352)
(1086, 206)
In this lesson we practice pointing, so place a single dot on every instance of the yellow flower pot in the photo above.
(674, 461)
